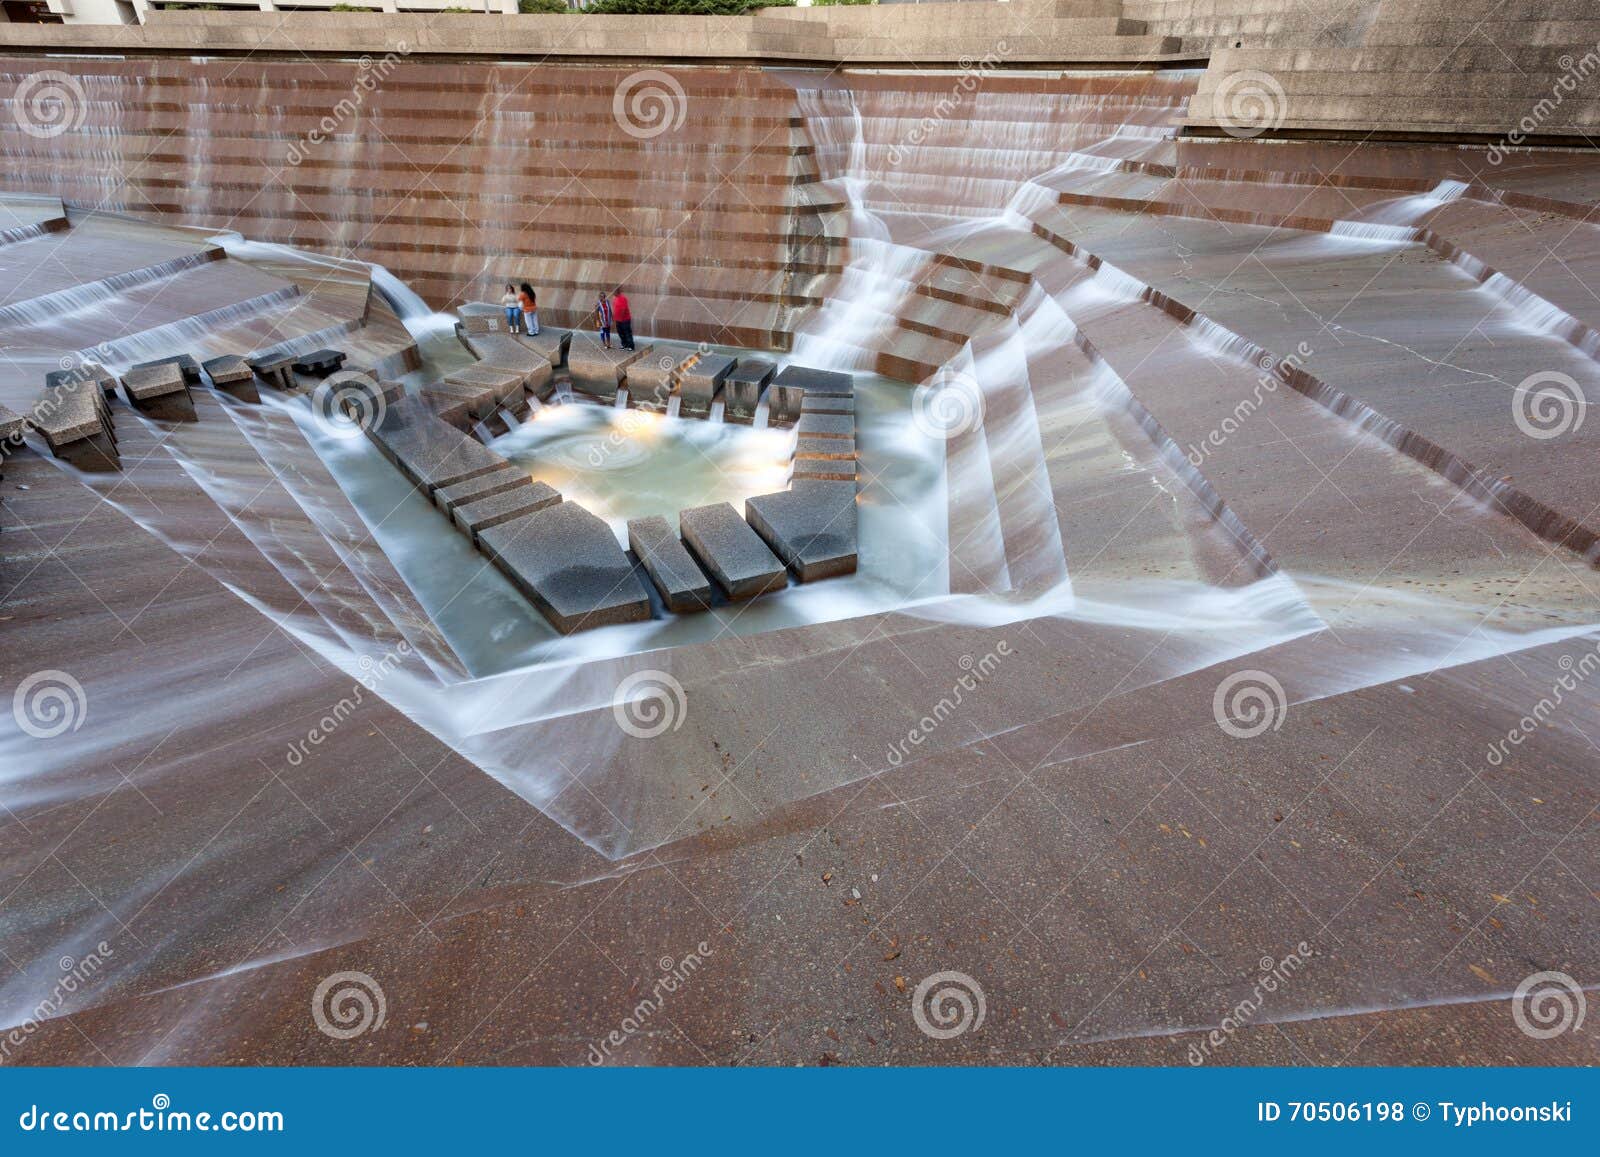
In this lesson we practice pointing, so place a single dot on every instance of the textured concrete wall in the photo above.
(691, 189)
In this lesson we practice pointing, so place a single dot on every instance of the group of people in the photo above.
(522, 314)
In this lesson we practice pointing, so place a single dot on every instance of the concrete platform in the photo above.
(702, 383)
(828, 383)
(160, 390)
(474, 517)
(549, 343)
(598, 371)
(653, 380)
(683, 585)
(743, 386)
(431, 452)
(730, 552)
(568, 564)
(447, 498)
(811, 527)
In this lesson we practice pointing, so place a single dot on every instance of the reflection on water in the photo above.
(622, 464)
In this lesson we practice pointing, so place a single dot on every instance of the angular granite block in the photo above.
(817, 381)
(701, 383)
(447, 498)
(473, 518)
(569, 565)
(783, 405)
(652, 380)
(837, 449)
(231, 374)
(742, 388)
(550, 344)
(429, 451)
(599, 372)
(823, 470)
(160, 390)
(276, 369)
(826, 426)
(500, 351)
(87, 372)
(730, 551)
(319, 363)
(682, 584)
(827, 404)
(811, 526)
(184, 362)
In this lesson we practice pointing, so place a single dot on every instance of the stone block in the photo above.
(823, 470)
(87, 372)
(599, 372)
(783, 405)
(730, 552)
(319, 363)
(828, 382)
(550, 344)
(12, 426)
(811, 527)
(447, 498)
(231, 374)
(473, 518)
(184, 362)
(702, 383)
(428, 450)
(826, 426)
(838, 449)
(276, 369)
(652, 380)
(569, 565)
(460, 405)
(683, 585)
(827, 404)
(160, 390)
(500, 351)
(742, 388)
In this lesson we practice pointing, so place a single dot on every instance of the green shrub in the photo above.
(550, 7)
(837, 3)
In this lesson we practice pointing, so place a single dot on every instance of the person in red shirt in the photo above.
(623, 317)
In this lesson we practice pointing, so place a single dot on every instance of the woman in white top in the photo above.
(512, 306)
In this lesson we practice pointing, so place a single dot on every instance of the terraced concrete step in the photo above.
(730, 552)
(567, 562)
(683, 585)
